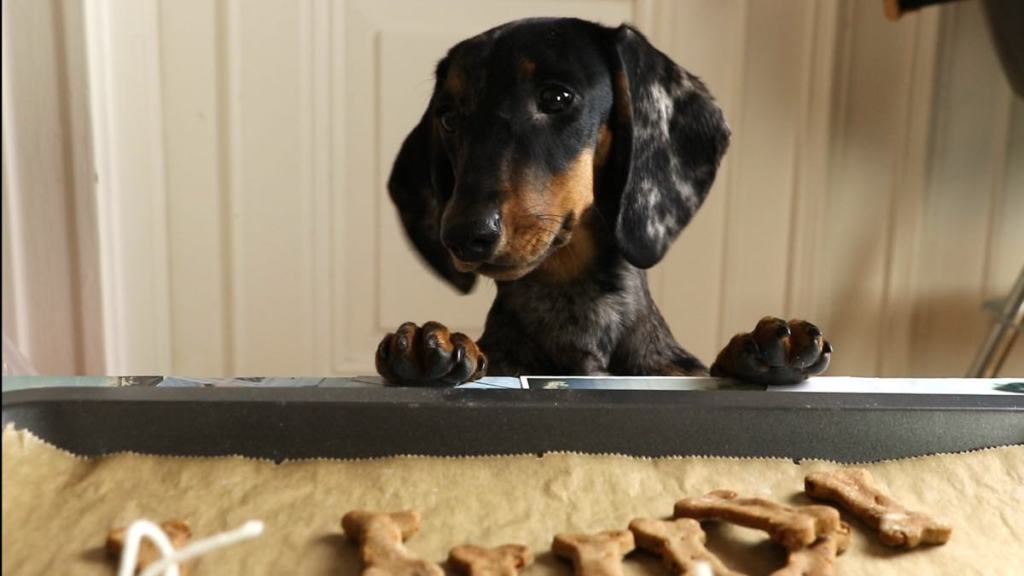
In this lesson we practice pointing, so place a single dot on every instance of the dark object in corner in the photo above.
(896, 8)
(1006, 23)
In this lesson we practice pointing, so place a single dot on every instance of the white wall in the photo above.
(51, 286)
(875, 184)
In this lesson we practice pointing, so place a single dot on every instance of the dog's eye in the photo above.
(449, 120)
(554, 99)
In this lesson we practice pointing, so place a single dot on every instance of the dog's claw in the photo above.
(776, 352)
(429, 356)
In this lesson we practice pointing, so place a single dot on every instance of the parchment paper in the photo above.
(57, 508)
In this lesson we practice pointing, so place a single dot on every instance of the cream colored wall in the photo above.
(51, 285)
(875, 183)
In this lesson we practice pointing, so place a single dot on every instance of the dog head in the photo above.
(536, 128)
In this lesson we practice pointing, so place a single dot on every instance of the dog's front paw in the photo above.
(776, 352)
(429, 356)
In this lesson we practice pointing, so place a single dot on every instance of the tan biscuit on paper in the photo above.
(855, 490)
(595, 554)
(791, 526)
(680, 543)
(381, 537)
(818, 559)
(505, 560)
(178, 532)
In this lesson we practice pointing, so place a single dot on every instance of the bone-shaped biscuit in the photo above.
(855, 490)
(819, 558)
(680, 543)
(504, 560)
(595, 554)
(381, 537)
(791, 526)
(178, 532)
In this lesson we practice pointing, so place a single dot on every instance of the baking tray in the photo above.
(287, 423)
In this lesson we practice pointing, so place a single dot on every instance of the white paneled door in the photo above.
(220, 205)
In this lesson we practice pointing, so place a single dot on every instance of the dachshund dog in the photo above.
(561, 158)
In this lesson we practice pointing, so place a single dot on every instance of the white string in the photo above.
(167, 565)
(247, 531)
(133, 539)
(702, 568)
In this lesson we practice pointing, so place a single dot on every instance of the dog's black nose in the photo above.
(473, 240)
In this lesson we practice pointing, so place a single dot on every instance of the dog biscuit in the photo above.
(680, 543)
(504, 560)
(381, 537)
(595, 554)
(793, 527)
(855, 490)
(818, 559)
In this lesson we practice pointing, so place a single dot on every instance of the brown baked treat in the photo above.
(854, 489)
(505, 560)
(381, 537)
(818, 559)
(178, 532)
(595, 554)
(791, 526)
(680, 543)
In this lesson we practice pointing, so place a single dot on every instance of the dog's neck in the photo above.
(588, 304)
(569, 263)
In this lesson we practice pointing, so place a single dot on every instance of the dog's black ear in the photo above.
(421, 178)
(668, 138)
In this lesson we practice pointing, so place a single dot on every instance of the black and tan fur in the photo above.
(561, 158)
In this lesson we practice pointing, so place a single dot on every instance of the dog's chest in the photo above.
(578, 326)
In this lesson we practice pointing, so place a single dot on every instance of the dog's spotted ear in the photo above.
(668, 138)
(421, 178)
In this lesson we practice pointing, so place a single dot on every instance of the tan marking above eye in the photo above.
(526, 68)
(455, 82)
